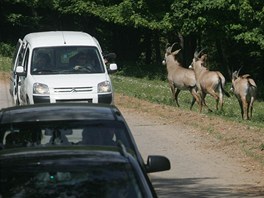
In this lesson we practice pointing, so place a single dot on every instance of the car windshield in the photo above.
(64, 133)
(66, 60)
(69, 178)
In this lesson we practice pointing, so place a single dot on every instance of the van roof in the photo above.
(61, 38)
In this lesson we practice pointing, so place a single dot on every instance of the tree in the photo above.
(138, 30)
(232, 31)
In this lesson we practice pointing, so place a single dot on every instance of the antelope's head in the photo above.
(169, 55)
(199, 60)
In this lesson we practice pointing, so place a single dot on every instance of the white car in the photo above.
(60, 66)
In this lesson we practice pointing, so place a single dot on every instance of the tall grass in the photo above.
(158, 91)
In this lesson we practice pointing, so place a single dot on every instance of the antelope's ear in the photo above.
(246, 76)
(204, 57)
(176, 52)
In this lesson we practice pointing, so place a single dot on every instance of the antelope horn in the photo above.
(168, 48)
(234, 75)
(172, 45)
(239, 70)
(197, 54)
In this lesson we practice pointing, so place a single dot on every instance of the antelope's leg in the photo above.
(220, 96)
(172, 89)
(196, 97)
(245, 107)
(193, 101)
(216, 97)
(241, 108)
(204, 103)
(200, 101)
(251, 106)
(248, 110)
(176, 96)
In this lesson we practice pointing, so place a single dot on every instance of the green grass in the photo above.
(158, 91)
(5, 63)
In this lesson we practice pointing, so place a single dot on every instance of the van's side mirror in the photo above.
(112, 68)
(20, 71)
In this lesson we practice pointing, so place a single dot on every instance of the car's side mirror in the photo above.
(20, 71)
(112, 68)
(156, 163)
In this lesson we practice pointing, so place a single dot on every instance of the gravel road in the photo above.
(196, 171)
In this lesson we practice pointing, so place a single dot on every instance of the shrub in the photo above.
(6, 50)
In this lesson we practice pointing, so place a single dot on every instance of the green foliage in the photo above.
(6, 50)
(126, 12)
(5, 63)
(138, 30)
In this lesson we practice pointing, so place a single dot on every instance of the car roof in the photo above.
(96, 153)
(61, 38)
(60, 111)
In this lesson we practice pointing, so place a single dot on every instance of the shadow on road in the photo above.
(194, 187)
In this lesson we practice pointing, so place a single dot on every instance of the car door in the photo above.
(14, 79)
(22, 84)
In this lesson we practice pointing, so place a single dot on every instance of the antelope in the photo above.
(244, 88)
(179, 78)
(208, 82)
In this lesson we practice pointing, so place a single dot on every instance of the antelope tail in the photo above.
(225, 92)
(221, 84)
(252, 83)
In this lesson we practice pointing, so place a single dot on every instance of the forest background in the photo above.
(138, 31)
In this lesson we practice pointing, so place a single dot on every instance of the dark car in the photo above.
(72, 172)
(70, 124)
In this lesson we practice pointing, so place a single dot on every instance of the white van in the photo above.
(60, 66)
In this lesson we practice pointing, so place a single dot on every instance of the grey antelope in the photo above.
(208, 82)
(179, 78)
(244, 88)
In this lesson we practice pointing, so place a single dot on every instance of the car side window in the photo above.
(25, 63)
(17, 52)
(81, 135)
(21, 55)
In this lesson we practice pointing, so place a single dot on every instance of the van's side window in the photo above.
(25, 64)
(21, 56)
(16, 52)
